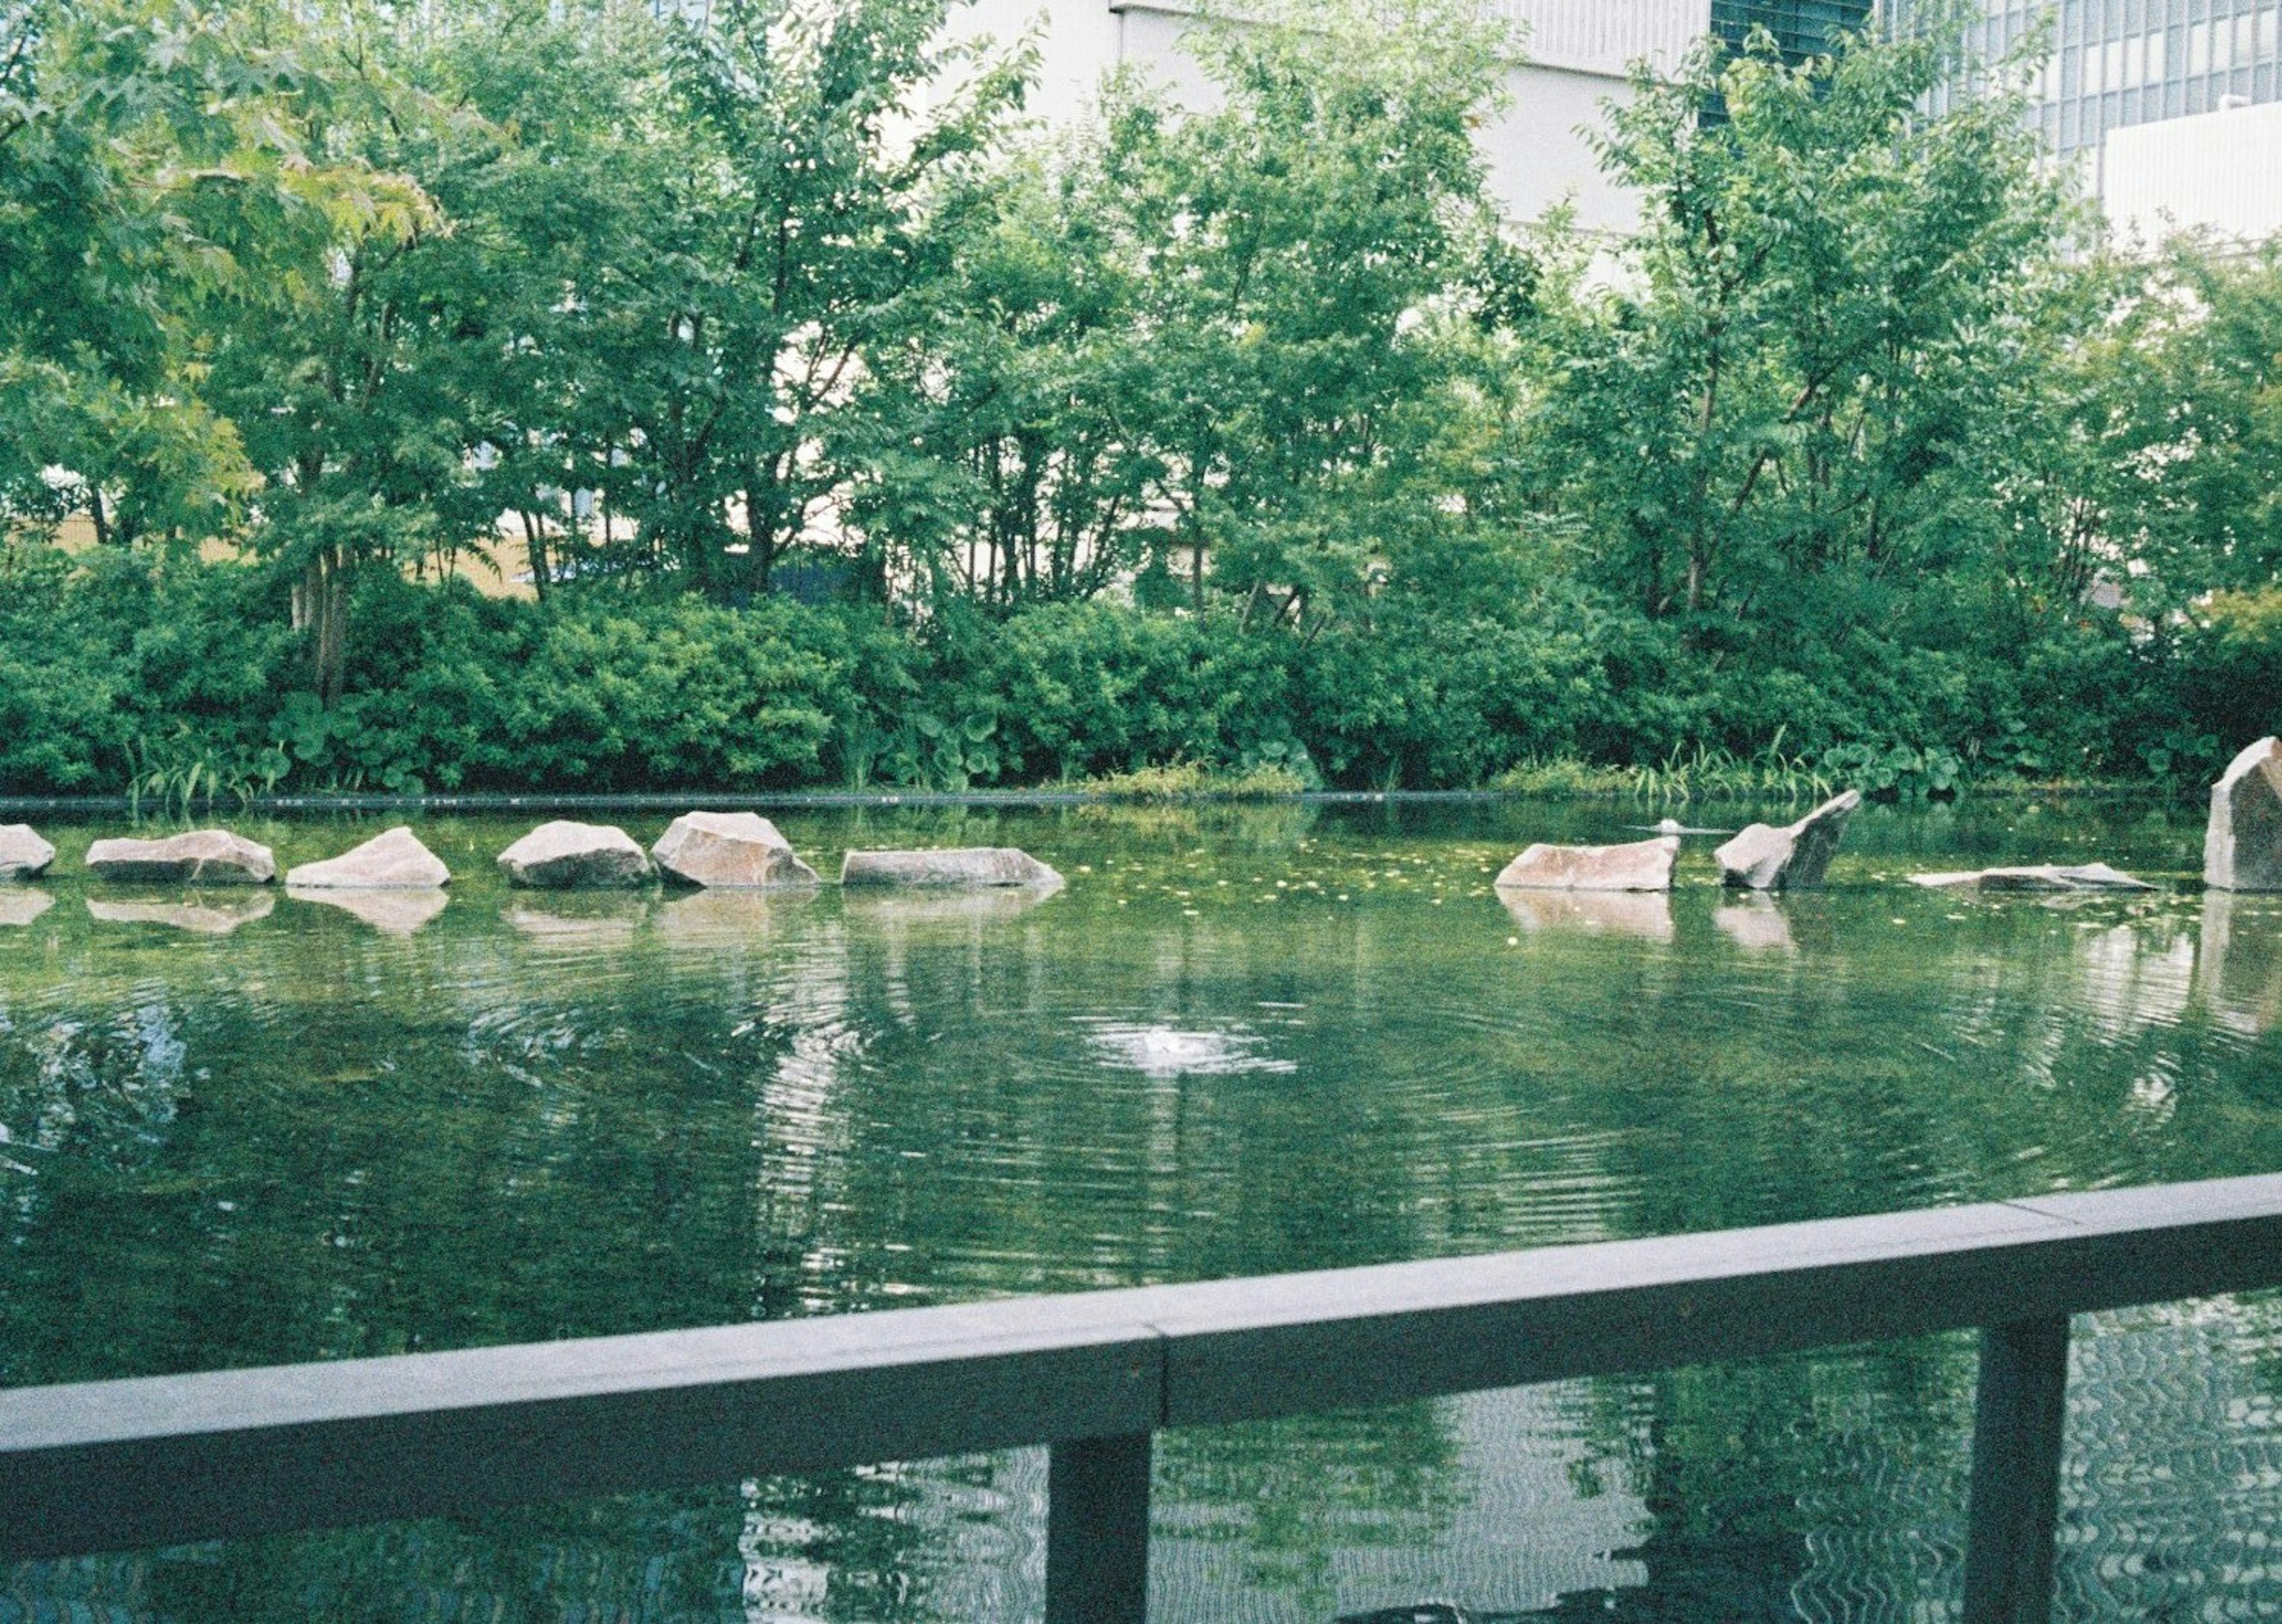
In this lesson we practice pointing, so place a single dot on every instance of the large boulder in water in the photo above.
(204, 857)
(729, 851)
(960, 865)
(1639, 866)
(1790, 859)
(23, 855)
(2242, 849)
(395, 861)
(562, 856)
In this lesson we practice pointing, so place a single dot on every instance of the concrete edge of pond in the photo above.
(743, 801)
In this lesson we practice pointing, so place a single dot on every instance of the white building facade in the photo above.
(1575, 55)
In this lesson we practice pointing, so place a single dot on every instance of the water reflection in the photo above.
(213, 917)
(1224, 1048)
(714, 918)
(1755, 923)
(391, 912)
(1642, 915)
(20, 905)
(2239, 967)
(592, 920)
(931, 906)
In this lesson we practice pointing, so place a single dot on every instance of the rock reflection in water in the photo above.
(727, 918)
(397, 914)
(597, 918)
(1646, 915)
(1757, 923)
(2239, 970)
(215, 918)
(20, 906)
(945, 907)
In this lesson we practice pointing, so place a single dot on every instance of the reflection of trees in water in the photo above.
(694, 1556)
(1294, 1494)
(726, 1109)
(1827, 1488)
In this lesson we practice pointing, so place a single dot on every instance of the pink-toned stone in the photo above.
(1790, 859)
(1638, 865)
(204, 857)
(394, 861)
(2242, 848)
(729, 851)
(23, 854)
(958, 866)
(567, 856)
(2040, 877)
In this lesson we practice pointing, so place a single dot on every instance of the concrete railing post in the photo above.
(2017, 1423)
(1097, 1531)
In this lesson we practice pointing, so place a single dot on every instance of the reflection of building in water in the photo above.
(2238, 971)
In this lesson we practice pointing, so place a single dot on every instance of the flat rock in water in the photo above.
(729, 851)
(204, 857)
(2242, 849)
(395, 861)
(960, 865)
(1640, 866)
(563, 856)
(2041, 877)
(1793, 857)
(23, 855)
(205, 919)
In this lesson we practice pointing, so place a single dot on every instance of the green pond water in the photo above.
(240, 1128)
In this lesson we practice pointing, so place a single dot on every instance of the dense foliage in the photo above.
(848, 429)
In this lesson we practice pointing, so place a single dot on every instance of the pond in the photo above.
(245, 1129)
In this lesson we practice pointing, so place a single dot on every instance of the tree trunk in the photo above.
(320, 608)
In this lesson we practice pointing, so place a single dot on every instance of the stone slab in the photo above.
(2039, 877)
(1637, 866)
(1796, 856)
(956, 866)
(202, 857)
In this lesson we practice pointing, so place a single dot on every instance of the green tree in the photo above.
(1776, 418)
(1298, 241)
(792, 236)
(147, 164)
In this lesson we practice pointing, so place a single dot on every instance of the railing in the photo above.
(104, 1465)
